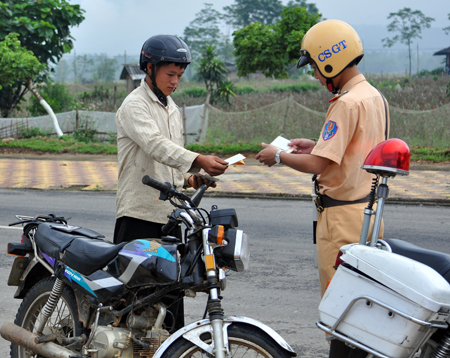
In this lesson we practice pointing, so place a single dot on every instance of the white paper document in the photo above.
(282, 143)
(237, 159)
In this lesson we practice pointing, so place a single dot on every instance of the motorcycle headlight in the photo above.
(235, 255)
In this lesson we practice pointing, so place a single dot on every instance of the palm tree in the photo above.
(212, 71)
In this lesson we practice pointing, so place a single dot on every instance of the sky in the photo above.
(115, 27)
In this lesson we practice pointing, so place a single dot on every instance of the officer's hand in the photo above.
(302, 145)
(267, 155)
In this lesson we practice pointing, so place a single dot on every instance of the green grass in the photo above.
(68, 144)
(64, 144)
(433, 155)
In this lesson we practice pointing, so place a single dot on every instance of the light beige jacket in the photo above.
(149, 141)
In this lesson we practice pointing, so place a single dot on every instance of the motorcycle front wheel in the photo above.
(63, 322)
(243, 341)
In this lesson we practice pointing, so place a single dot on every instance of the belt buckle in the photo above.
(318, 203)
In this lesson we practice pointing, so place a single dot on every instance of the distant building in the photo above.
(133, 75)
(446, 52)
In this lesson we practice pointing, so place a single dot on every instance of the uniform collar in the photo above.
(353, 82)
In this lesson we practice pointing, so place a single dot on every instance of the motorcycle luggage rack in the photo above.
(332, 330)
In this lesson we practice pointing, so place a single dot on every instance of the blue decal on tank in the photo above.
(74, 276)
(147, 248)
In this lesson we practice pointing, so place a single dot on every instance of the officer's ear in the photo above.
(149, 68)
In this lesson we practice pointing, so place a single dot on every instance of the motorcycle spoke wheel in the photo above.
(238, 349)
(63, 322)
(243, 341)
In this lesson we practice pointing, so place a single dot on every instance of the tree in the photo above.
(212, 71)
(16, 62)
(447, 29)
(19, 64)
(203, 30)
(44, 29)
(311, 8)
(272, 48)
(84, 65)
(409, 24)
(106, 69)
(245, 12)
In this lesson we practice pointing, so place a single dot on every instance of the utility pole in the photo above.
(75, 66)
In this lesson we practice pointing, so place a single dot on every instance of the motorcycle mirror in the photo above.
(389, 158)
(198, 195)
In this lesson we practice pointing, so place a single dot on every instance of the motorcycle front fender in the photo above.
(193, 331)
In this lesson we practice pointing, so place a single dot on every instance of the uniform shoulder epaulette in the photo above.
(337, 96)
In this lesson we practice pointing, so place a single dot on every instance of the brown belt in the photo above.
(323, 201)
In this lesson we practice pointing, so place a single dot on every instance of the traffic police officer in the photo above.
(356, 121)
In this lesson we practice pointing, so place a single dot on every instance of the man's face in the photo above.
(317, 75)
(168, 77)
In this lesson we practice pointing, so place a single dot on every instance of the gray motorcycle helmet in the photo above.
(167, 48)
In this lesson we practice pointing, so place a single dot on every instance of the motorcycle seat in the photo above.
(438, 261)
(81, 249)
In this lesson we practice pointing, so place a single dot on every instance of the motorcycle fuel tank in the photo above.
(395, 298)
(146, 262)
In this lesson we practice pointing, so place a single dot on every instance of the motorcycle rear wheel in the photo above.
(63, 321)
(244, 342)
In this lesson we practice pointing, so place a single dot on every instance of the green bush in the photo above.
(33, 132)
(245, 89)
(300, 87)
(85, 135)
(195, 92)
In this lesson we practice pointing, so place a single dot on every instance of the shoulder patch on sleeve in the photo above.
(329, 130)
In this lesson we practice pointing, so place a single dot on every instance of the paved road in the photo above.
(281, 287)
(427, 184)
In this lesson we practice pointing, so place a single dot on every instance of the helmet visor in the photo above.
(304, 60)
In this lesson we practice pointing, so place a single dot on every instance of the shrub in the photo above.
(33, 132)
(301, 87)
(245, 89)
(195, 92)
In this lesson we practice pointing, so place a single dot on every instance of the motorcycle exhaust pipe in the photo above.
(26, 339)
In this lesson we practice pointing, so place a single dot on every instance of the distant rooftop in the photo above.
(445, 51)
(133, 71)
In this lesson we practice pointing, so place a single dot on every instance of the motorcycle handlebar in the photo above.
(156, 184)
(167, 228)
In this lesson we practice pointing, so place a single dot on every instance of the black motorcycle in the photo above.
(86, 297)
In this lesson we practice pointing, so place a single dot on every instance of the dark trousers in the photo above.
(128, 229)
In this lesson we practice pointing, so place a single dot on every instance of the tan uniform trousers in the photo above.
(338, 226)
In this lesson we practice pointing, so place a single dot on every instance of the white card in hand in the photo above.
(282, 143)
(237, 159)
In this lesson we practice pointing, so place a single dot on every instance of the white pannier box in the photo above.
(403, 284)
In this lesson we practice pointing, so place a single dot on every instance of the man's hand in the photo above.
(267, 155)
(197, 181)
(211, 164)
(302, 145)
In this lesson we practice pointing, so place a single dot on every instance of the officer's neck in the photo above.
(345, 76)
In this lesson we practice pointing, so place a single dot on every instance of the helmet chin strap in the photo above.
(161, 96)
(330, 86)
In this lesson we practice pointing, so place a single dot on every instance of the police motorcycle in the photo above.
(86, 297)
(387, 298)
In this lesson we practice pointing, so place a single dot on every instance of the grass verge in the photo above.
(67, 144)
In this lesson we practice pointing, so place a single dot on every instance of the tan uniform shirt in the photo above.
(149, 141)
(355, 124)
